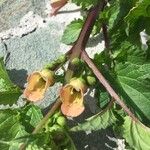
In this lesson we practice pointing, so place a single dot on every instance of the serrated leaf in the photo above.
(134, 79)
(115, 13)
(39, 141)
(129, 52)
(138, 19)
(136, 134)
(104, 99)
(85, 4)
(141, 9)
(9, 93)
(72, 31)
(10, 129)
(31, 115)
(97, 122)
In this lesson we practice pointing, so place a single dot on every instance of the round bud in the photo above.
(57, 114)
(61, 59)
(61, 121)
(55, 127)
(91, 80)
(50, 66)
(76, 61)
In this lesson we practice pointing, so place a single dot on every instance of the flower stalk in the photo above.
(82, 40)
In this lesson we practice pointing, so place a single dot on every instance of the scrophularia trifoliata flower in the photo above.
(37, 84)
(72, 96)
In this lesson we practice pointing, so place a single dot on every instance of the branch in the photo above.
(47, 116)
(82, 40)
(105, 35)
(104, 82)
(43, 121)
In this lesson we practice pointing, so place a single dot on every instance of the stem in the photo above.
(105, 35)
(105, 83)
(47, 116)
(69, 11)
(43, 121)
(107, 42)
(82, 40)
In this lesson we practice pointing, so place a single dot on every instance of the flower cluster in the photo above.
(71, 95)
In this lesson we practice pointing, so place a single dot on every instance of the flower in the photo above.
(56, 5)
(72, 95)
(38, 82)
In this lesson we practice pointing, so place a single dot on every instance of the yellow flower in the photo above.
(72, 96)
(56, 5)
(38, 82)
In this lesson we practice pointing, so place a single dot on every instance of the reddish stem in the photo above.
(82, 40)
(105, 35)
(105, 83)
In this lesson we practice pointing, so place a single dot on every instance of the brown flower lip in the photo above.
(37, 84)
(72, 97)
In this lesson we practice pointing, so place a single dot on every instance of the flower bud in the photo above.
(37, 84)
(61, 59)
(61, 121)
(91, 80)
(76, 61)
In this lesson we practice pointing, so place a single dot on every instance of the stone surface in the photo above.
(11, 11)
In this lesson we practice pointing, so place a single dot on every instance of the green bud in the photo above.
(76, 61)
(61, 121)
(55, 127)
(91, 80)
(61, 59)
(57, 62)
(57, 114)
(50, 66)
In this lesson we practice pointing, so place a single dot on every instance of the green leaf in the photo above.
(97, 122)
(135, 81)
(85, 4)
(129, 52)
(31, 115)
(39, 141)
(141, 9)
(136, 134)
(115, 12)
(104, 99)
(72, 31)
(10, 129)
(9, 93)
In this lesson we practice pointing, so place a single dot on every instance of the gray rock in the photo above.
(11, 11)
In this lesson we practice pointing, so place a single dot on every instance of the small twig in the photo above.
(44, 120)
(105, 35)
(105, 109)
(47, 116)
(105, 83)
(69, 11)
(108, 50)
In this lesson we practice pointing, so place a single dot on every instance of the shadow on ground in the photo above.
(18, 77)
